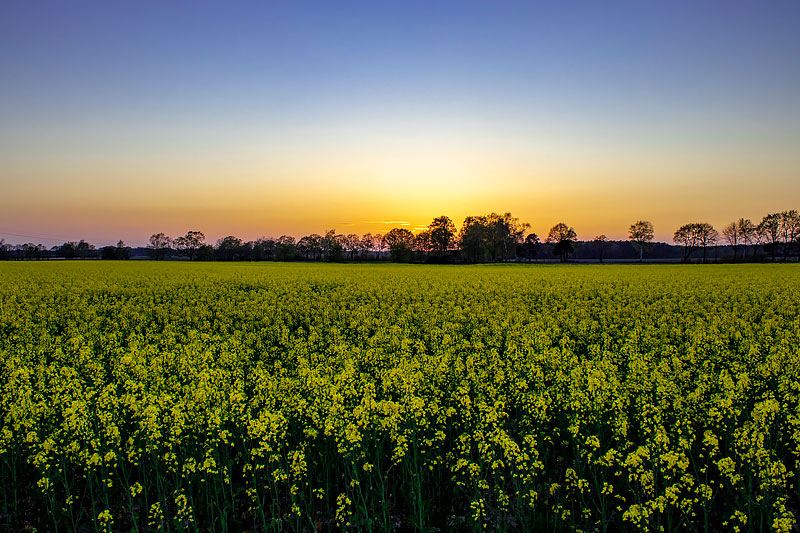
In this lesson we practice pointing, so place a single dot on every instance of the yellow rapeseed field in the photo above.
(221, 397)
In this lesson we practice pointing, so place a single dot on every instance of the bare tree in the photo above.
(366, 244)
(687, 237)
(748, 234)
(770, 230)
(789, 230)
(159, 245)
(379, 245)
(706, 236)
(733, 237)
(640, 234)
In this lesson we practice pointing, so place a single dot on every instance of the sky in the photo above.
(122, 119)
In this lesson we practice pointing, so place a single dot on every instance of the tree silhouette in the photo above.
(770, 230)
(687, 237)
(84, 250)
(562, 237)
(159, 245)
(263, 249)
(733, 237)
(531, 246)
(120, 251)
(229, 248)
(472, 238)
(285, 248)
(748, 235)
(366, 245)
(442, 234)
(190, 243)
(789, 231)
(400, 242)
(332, 246)
(423, 243)
(706, 236)
(641, 233)
(601, 241)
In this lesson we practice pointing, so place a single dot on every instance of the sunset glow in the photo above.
(120, 121)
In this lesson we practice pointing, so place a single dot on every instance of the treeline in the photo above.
(486, 238)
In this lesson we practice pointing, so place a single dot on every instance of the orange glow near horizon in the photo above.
(120, 121)
(358, 187)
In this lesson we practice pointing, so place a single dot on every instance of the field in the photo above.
(300, 397)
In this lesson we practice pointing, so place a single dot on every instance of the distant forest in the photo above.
(489, 238)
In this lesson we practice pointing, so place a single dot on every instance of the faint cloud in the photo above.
(383, 222)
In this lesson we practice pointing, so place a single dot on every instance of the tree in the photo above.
(423, 243)
(31, 251)
(229, 248)
(789, 231)
(563, 238)
(531, 246)
(66, 250)
(472, 238)
(694, 235)
(310, 247)
(641, 233)
(748, 234)
(770, 230)
(706, 236)
(601, 241)
(120, 251)
(733, 237)
(263, 249)
(285, 248)
(442, 234)
(379, 244)
(205, 253)
(352, 244)
(366, 245)
(497, 236)
(190, 243)
(687, 236)
(503, 235)
(332, 246)
(514, 234)
(400, 242)
(159, 245)
(84, 250)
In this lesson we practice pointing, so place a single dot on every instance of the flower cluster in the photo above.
(317, 397)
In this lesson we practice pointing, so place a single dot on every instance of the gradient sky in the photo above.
(119, 120)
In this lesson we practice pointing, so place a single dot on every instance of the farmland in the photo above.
(189, 396)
